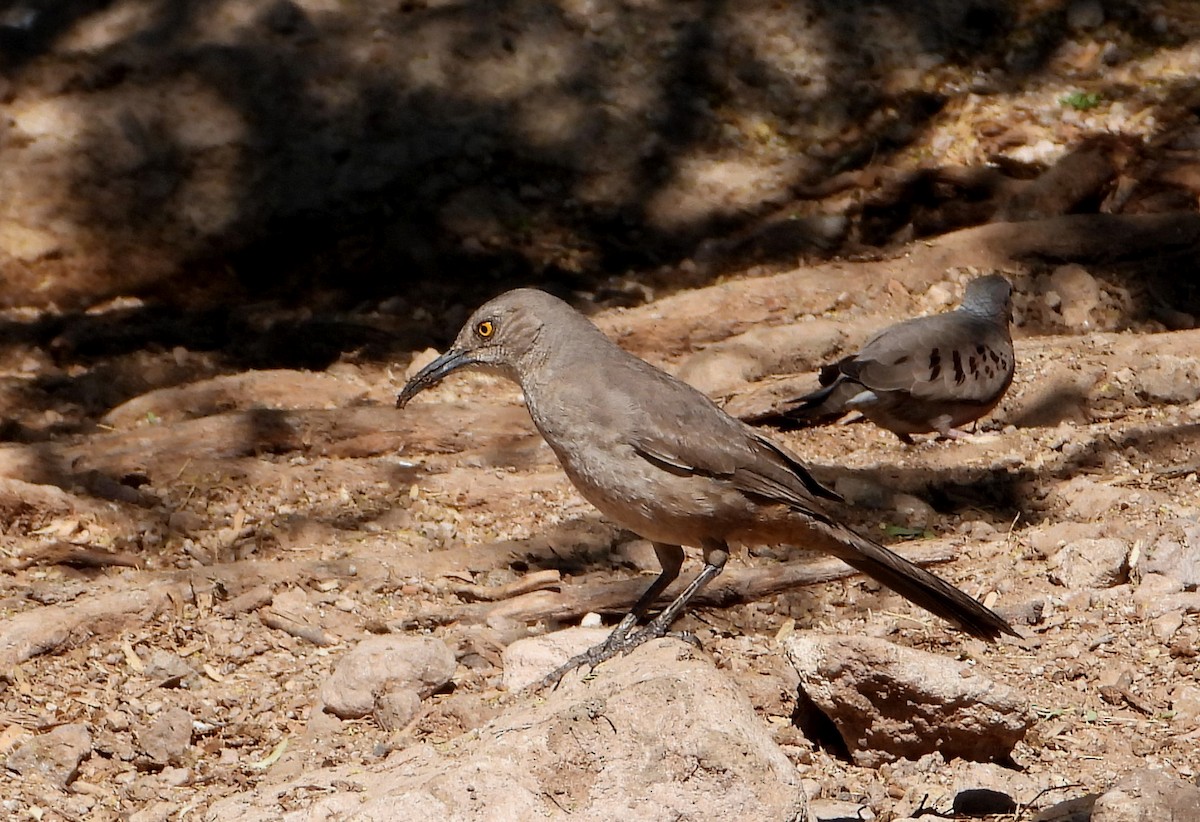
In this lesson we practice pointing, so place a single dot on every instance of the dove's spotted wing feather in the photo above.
(952, 357)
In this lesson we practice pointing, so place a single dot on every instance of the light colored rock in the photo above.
(982, 788)
(395, 708)
(528, 660)
(1169, 379)
(889, 702)
(164, 666)
(165, 739)
(1047, 539)
(276, 388)
(1176, 558)
(1153, 586)
(1159, 594)
(968, 790)
(54, 756)
(1089, 501)
(156, 812)
(1078, 809)
(835, 810)
(913, 511)
(381, 664)
(1091, 563)
(1079, 294)
(798, 347)
(1185, 702)
(1148, 796)
(656, 734)
(1165, 626)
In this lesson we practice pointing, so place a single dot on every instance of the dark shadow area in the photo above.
(373, 174)
(1005, 496)
(332, 177)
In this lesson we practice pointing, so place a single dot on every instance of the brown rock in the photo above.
(55, 755)
(387, 663)
(396, 708)
(1077, 293)
(1090, 501)
(1170, 379)
(798, 347)
(167, 737)
(889, 702)
(1078, 809)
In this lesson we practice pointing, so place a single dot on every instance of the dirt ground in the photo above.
(202, 512)
(217, 545)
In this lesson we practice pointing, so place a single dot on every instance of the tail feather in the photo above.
(823, 405)
(917, 585)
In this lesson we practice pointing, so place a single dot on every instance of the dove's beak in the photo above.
(434, 373)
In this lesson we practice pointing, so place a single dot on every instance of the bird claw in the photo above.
(617, 643)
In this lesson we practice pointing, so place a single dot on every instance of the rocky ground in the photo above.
(188, 586)
(239, 584)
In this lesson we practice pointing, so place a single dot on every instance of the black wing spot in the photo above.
(935, 364)
(959, 374)
(901, 360)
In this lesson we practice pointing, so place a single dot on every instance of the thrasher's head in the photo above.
(497, 337)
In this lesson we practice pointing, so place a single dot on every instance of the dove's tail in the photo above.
(821, 406)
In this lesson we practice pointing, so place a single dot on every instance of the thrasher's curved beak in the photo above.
(433, 373)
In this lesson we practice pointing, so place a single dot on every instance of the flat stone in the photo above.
(1078, 809)
(396, 708)
(1169, 379)
(834, 810)
(890, 702)
(798, 347)
(1177, 558)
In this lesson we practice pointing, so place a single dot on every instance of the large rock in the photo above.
(382, 664)
(890, 702)
(528, 660)
(1176, 558)
(54, 756)
(658, 734)
(1148, 796)
(1091, 563)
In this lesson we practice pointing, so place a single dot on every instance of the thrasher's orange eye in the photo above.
(485, 329)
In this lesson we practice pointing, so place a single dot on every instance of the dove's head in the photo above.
(508, 335)
(989, 296)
